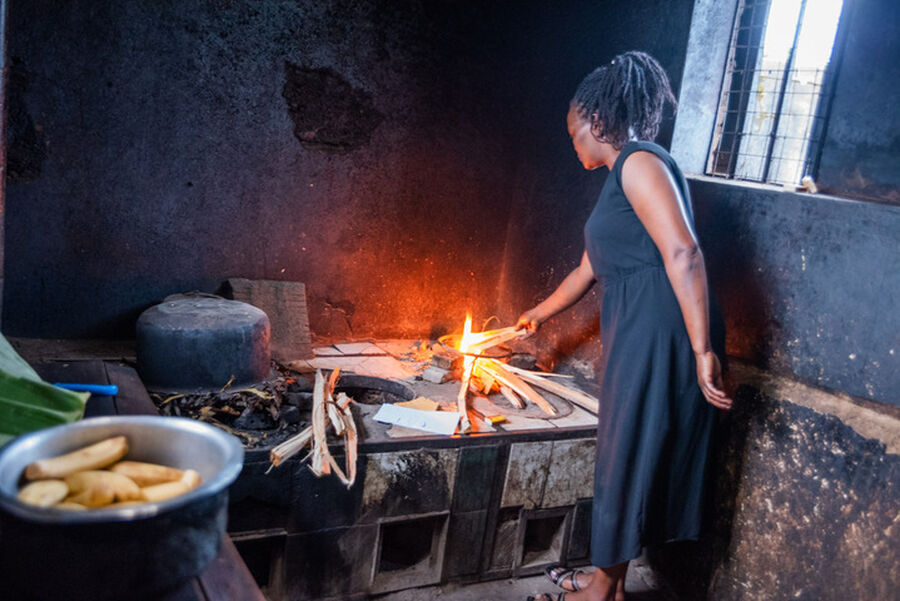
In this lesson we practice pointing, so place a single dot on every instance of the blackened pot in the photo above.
(135, 552)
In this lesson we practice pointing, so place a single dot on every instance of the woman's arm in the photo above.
(566, 294)
(656, 200)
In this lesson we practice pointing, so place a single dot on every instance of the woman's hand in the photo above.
(709, 376)
(529, 321)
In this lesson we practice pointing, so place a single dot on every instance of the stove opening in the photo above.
(405, 545)
(543, 539)
(369, 390)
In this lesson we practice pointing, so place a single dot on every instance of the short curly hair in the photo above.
(625, 98)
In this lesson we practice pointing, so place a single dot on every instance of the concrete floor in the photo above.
(640, 585)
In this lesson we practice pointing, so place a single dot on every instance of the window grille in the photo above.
(774, 96)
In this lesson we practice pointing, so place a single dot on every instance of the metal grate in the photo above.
(771, 116)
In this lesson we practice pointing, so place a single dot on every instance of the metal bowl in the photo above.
(130, 552)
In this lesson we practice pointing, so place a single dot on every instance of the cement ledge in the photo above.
(864, 421)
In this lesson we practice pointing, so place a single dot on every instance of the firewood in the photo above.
(290, 447)
(487, 381)
(578, 397)
(334, 414)
(351, 441)
(493, 338)
(320, 457)
(446, 358)
(461, 398)
(512, 397)
(509, 379)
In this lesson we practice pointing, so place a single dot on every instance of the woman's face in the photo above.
(590, 151)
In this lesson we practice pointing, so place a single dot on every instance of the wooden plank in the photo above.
(228, 579)
(133, 398)
(80, 372)
(285, 305)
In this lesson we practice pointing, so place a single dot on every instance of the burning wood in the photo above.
(500, 373)
(483, 374)
(325, 409)
(576, 396)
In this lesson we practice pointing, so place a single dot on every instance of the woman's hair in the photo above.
(624, 98)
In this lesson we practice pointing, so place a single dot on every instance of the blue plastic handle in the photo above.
(101, 389)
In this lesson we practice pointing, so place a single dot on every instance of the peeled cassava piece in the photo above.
(98, 494)
(93, 457)
(76, 480)
(161, 492)
(147, 474)
(44, 493)
(123, 488)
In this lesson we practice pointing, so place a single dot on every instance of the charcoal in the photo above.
(523, 361)
(301, 400)
(254, 420)
(290, 414)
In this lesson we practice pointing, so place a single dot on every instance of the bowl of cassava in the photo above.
(111, 508)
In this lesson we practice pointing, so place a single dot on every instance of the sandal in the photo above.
(547, 597)
(559, 574)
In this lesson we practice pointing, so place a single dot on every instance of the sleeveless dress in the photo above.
(655, 427)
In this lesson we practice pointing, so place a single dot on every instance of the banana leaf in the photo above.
(28, 403)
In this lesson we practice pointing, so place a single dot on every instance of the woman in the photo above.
(658, 361)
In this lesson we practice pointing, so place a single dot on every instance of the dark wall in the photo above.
(808, 284)
(861, 152)
(407, 160)
(553, 194)
(158, 147)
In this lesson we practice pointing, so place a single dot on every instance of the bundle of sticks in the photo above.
(327, 408)
(483, 375)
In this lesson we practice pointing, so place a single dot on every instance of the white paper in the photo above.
(438, 422)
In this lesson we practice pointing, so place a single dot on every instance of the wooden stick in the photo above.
(509, 379)
(334, 414)
(487, 381)
(500, 337)
(290, 447)
(581, 399)
(512, 397)
(320, 458)
(461, 398)
(351, 441)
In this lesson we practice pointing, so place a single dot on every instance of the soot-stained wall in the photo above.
(163, 147)
(407, 160)
(551, 51)
(808, 284)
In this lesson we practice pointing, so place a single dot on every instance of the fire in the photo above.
(472, 344)
(486, 373)
(467, 340)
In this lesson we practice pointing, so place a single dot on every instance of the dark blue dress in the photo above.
(655, 427)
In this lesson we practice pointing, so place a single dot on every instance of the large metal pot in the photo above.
(135, 552)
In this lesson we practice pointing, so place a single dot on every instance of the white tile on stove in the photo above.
(578, 417)
(359, 348)
(515, 423)
(398, 347)
(327, 351)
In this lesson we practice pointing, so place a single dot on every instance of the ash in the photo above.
(263, 415)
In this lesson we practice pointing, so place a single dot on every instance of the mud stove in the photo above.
(425, 509)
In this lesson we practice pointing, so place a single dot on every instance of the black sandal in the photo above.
(562, 574)
(547, 597)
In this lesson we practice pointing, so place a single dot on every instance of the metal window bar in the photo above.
(747, 142)
(746, 45)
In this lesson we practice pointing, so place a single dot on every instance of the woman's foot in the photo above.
(606, 584)
(570, 580)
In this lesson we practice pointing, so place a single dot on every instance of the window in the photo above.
(776, 89)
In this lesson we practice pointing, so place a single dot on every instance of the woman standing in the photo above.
(661, 378)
